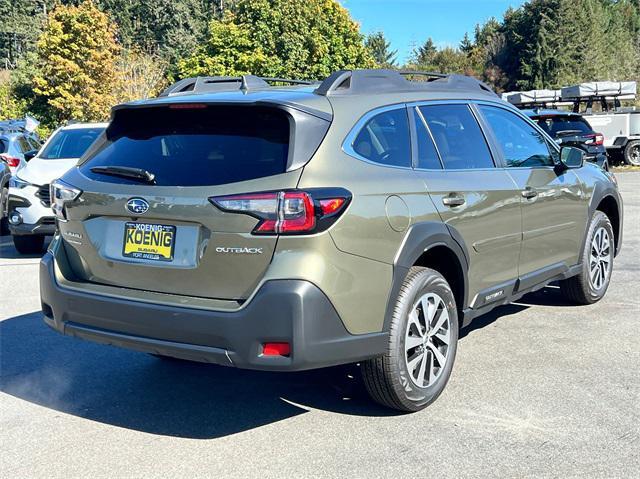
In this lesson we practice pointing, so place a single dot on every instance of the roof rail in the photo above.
(227, 83)
(13, 126)
(353, 82)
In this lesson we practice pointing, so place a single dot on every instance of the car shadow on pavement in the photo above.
(490, 318)
(172, 397)
(8, 251)
(160, 396)
(548, 296)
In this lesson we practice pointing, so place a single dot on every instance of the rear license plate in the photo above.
(149, 241)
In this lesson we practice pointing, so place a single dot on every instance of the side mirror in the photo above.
(29, 155)
(571, 157)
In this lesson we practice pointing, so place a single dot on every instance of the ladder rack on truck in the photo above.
(620, 126)
(535, 99)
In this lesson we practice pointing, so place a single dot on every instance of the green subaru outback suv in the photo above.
(282, 225)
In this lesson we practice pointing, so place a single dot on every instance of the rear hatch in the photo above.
(162, 232)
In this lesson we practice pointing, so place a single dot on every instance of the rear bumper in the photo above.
(292, 311)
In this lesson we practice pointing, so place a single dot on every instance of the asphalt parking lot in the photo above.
(540, 389)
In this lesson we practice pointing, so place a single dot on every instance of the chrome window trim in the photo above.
(469, 104)
(551, 144)
(347, 144)
(433, 140)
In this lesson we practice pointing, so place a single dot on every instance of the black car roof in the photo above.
(538, 112)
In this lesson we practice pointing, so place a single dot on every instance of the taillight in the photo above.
(595, 139)
(62, 193)
(10, 160)
(288, 212)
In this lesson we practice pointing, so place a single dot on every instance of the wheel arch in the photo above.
(438, 246)
(609, 206)
(606, 198)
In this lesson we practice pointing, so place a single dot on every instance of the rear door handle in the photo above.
(453, 200)
(529, 193)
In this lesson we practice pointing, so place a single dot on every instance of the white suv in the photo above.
(30, 214)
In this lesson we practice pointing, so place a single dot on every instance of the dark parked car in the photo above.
(571, 129)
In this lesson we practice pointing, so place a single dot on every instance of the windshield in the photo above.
(559, 125)
(70, 143)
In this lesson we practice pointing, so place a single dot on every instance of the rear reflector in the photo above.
(331, 206)
(276, 349)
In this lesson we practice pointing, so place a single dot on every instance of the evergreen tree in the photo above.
(466, 45)
(381, 51)
(424, 54)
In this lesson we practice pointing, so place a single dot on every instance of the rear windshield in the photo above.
(70, 143)
(195, 146)
(563, 125)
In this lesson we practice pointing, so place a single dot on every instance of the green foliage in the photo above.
(381, 51)
(169, 29)
(77, 63)
(229, 51)
(424, 54)
(20, 25)
(280, 37)
(10, 105)
(550, 43)
(428, 57)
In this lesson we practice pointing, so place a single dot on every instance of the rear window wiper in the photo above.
(126, 172)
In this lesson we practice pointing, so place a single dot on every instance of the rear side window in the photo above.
(521, 144)
(24, 144)
(70, 143)
(3, 146)
(385, 139)
(427, 154)
(195, 146)
(458, 136)
(34, 144)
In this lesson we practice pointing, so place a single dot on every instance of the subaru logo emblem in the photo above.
(137, 206)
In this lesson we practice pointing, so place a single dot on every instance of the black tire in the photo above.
(632, 153)
(387, 378)
(580, 288)
(29, 244)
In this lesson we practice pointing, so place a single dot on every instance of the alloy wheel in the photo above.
(427, 339)
(634, 157)
(600, 259)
